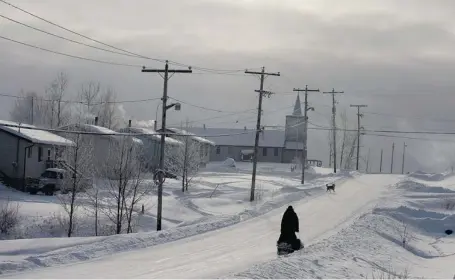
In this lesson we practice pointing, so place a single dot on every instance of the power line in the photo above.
(66, 39)
(410, 138)
(114, 47)
(205, 108)
(70, 55)
(81, 102)
(74, 32)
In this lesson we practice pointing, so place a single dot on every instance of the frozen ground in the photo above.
(217, 191)
(372, 247)
(230, 249)
(218, 198)
(357, 232)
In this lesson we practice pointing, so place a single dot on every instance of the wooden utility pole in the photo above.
(32, 113)
(391, 161)
(358, 132)
(166, 78)
(404, 152)
(330, 155)
(305, 138)
(368, 162)
(380, 163)
(334, 128)
(258, 124)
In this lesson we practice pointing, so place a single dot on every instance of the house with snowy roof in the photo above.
(152, 143)
(275, 145)
(26, 152)
(103, 142)
(204, 145)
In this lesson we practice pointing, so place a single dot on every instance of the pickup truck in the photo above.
(56, 179)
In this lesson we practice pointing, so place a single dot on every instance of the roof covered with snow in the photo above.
(150, 133)
(194, 137)
(34, 135)
(240, 137)
(97, 129)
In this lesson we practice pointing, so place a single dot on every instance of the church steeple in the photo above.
(297, 108)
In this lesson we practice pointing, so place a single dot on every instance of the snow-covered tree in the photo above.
(78, 177)
(184, 160)
(126, 183)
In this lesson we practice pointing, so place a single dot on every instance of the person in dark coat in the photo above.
(289, 226)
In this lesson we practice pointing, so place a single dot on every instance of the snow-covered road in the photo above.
(235, 248)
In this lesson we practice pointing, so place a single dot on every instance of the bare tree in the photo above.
(9, 217)
(123, 169)
(344, 137)
(29, 108)
(89, 95)
(78, 177)
(184, 159)
(108, 112)
(350, 158)
(56, 92)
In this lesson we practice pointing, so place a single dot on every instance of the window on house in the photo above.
(264, 152)
(206, 150)
(48, 154)
(218, 150)
(29, 152)
(40, 154)
(275, 152)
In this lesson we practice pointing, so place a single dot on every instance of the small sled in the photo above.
(286, 248)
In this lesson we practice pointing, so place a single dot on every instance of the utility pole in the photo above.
(380, 164)
(32, 113)
(334, 128)
(358, 132)
(391, 162)
(330, 155)
(404, 152)
(368, 162)
(258, 124)
(305, 138)
(166, 107)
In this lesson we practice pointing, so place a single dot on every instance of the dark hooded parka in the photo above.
(289, 226)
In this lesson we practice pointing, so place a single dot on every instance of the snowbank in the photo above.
(430, 176)
(373, 247)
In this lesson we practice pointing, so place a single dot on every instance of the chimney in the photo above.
(129, 123)
(96, 120)
(244, 128)
(204, 126)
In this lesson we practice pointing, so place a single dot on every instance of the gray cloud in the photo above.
(395, 56)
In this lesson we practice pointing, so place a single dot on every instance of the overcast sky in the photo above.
(395, 56)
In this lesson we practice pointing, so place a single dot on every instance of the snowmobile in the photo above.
(284, 248)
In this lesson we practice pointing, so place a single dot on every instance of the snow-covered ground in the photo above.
(357, 232)
(218, 197)
(217, 191)
(230, 249)
(372, 247)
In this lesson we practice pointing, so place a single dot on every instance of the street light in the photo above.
(177, 108)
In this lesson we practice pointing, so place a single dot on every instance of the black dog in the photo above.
(330, 187)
